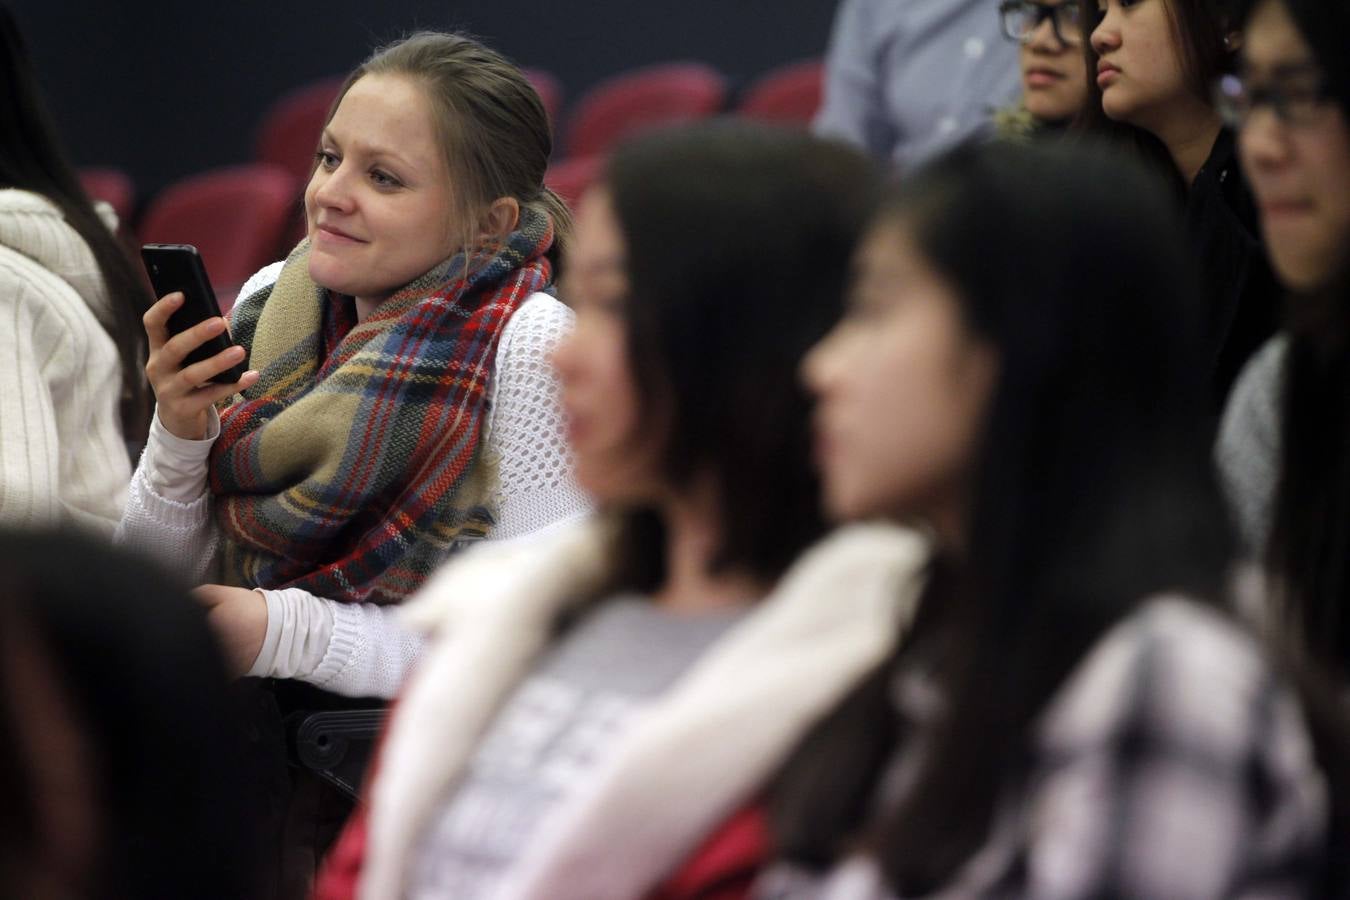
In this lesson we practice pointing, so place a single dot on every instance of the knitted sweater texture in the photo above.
(358, 649)
(62, 456)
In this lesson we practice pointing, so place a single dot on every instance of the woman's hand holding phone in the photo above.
(186, 394)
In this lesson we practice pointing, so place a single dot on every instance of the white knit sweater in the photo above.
(359, 649)
(62, 456)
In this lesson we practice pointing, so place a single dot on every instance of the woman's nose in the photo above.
(1106, 36)
(333, 190)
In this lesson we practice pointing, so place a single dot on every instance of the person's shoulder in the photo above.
(1256, 393)
(263, 278)
(1176, 670)
(542, 305)
(541, 320)
(17, 200)
(24, 280)
(1267, 361)
(250, 300)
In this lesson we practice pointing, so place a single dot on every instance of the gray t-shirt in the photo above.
(559, 726)
(1248, 448)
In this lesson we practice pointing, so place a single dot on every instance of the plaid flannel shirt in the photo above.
(1174, 763)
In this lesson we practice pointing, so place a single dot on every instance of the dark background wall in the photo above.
(166, 88)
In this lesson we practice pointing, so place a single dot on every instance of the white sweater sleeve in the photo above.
(360, 649)
(525, 425)
(353, 649)
(29, 444)
(62, 457)
(168, 512)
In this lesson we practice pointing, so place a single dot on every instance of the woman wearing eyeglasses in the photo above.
(1054, 75)
(1284, 448)
(1152, 65)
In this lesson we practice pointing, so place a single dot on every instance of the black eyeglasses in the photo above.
(1298, 99)
(1021, 18)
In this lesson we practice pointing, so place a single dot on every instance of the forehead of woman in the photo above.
(1322, 27)
(389, 116)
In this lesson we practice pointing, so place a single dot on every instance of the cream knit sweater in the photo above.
(62, 456)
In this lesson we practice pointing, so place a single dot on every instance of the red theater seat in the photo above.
(642, 99)
(290, 129)
(112, 186)
(235, 217)
(570, 177)
(789, 95)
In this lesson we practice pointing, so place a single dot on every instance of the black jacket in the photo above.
(1242, 297)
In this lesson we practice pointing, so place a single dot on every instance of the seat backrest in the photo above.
(570, 177)
(789, 94)
(643, 99)
(289, 134)
(112, 186)
(235, 217)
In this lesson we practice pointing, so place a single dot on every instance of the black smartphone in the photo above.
(178, 267)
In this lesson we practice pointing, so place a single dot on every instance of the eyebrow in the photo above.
(1285, 69)
(374, 150)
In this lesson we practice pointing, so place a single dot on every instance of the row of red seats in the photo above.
(676, 92)
(239, 217)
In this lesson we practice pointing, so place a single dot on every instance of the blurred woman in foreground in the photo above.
(1073, 713)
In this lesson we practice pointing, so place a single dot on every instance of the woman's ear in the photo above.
(501, 218)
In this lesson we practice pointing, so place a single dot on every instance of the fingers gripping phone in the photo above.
(178, 267)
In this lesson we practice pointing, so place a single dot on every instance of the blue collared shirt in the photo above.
(906, 79)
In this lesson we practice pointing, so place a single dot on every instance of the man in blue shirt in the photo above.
(907, 79)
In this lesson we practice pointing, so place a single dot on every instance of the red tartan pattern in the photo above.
(355, 463)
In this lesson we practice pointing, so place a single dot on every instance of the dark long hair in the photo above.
(1309, 544)
(132, 656)
(738, 238)
(33, 159)
(1092, 486)
(1199, 27)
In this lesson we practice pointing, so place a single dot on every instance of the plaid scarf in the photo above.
(356, 461)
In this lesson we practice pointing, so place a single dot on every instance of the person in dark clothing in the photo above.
(1151, 67)
(1284, 447)
(119, 740)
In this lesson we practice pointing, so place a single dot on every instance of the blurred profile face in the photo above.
(1141, 71)
(380, 205)
(600, 400)
(901, 387)
(1054, 77)
(1299, 170)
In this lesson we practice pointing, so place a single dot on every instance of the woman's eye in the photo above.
(327, 160)
(384, 179)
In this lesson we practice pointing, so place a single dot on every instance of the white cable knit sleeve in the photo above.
(525, 425)
(353, 649)
(168, 512)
